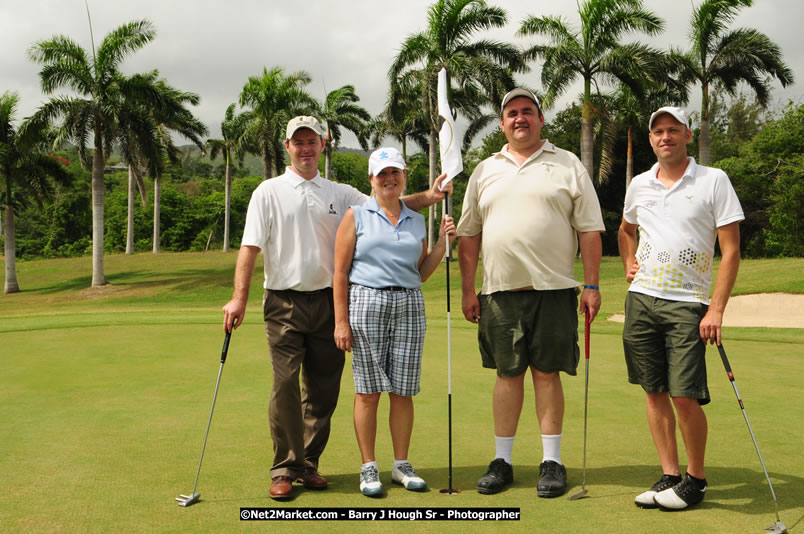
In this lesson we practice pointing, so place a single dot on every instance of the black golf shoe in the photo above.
(645, 499)
(552, 479)
(499, 475)
(686, 493)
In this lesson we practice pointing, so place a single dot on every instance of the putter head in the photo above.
(777, 528)
(187, 500)
(580, 494)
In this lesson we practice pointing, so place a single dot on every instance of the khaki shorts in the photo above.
(520, 329)
(663, 347)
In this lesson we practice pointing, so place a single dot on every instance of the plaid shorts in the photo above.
(388, 329)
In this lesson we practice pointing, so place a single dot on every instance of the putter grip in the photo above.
(586, 333)
(225, 348)
(722, 352)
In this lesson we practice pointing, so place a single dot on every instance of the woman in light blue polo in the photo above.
(381, 260)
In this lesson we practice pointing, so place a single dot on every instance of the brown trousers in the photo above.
(300, 328)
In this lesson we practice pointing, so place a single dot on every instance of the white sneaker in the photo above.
(406, 476)
(370, 484)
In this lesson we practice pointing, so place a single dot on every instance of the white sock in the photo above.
(551, 445)
(397, 463)
(505, 447)
(369, 464)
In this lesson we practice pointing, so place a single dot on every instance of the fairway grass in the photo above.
(105, 395)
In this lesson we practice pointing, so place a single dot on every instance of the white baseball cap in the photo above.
(519, 91)
(385, 157)
(303, 121)
(679, 114)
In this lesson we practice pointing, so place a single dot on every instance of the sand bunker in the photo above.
(772, 310)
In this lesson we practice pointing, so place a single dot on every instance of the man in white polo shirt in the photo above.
(293, 219)
(680, 208)
(527, 209)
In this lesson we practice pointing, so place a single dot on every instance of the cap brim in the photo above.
(385, 165)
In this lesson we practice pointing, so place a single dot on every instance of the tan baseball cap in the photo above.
(304, 121)
(519, 91)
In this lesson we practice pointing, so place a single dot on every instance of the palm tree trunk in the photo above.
(10, 251)
(130, 218)
(405, 147)
(327, 161)
(629, 161)
(98, 193)
(433, 171)
(157, 211)
(703, 139)
(266, 165)
(228, 207)
(588, 138)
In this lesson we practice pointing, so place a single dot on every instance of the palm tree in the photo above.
(401, 119)
(340, 110)
(102, 91)
(484, 66)
(229, 147)
(594, 52)
(726, 58)
(27, 172)
(623, 110)
(170, 115)
(274, 99)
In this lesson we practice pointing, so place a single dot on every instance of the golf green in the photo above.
(105, 396)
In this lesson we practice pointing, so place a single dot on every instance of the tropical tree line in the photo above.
(763, 153)
(623, 81)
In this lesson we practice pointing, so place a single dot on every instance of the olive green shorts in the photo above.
(520, 329)
(663, 347)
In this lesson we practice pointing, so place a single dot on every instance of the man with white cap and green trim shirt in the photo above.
(680, 208)
(293, 219)
(527, 209)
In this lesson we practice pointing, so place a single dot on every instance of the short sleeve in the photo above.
(471, 222)
(586, 214)
(630, 209)
(727, 206)
(258, 221)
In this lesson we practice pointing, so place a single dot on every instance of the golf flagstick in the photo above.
(448, 211)
(451, 165)
(778, 527)
(192, 498)
(587, 323)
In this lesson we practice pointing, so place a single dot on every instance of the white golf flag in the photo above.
(448, 142)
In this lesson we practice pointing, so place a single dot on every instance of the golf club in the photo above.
(450, 490)
(778, 527)
(580, 494)
(192, 498)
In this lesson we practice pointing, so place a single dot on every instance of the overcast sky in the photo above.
(211, 48)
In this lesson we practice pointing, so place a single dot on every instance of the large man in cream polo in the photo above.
(292, 219)
(527, 209)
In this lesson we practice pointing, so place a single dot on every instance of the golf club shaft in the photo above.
(730, 374)
(224, 351)
(587, 335)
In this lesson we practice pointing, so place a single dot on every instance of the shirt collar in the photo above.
(296, 180)
(547, 146)
(692, 168)
(372, 205)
